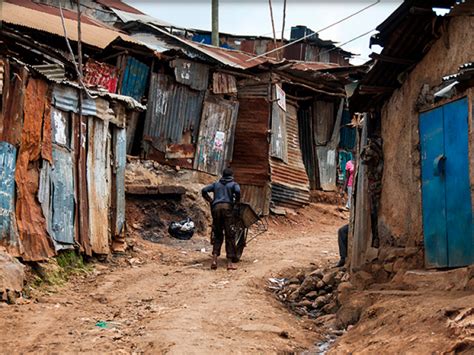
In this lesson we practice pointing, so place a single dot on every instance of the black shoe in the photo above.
(341, 263)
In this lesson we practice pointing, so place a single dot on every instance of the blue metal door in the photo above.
(446, 195)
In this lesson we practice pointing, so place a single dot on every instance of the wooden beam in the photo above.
(385, 58)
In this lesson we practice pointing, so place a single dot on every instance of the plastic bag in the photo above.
(183, 230)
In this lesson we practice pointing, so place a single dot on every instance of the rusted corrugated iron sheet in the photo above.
(327, 167)
(257, 196)
(253, 91)
(135, 79)
(251, 147)
(308, 148)
(82, 205)
(36, 244)
(180, 151)
(13, 100)
(173, 110)
(8, 232)
(223, 83)
(98, 184)
(120, 160)
(100, 75)
(193, 74)
(327, 157)
(279, 144)
(324, 118)
(286, 196)
(290, 182)
(216, 135)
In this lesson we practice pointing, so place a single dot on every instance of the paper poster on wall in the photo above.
(219, 141)
(281, 97)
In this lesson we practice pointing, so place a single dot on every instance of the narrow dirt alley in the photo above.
(164, 298)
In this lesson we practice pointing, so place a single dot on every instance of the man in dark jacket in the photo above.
(226, 192)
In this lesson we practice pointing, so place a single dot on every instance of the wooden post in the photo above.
(215, 23)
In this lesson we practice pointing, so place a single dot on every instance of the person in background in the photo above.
(226, 192)
(349, 181)
(342, 236)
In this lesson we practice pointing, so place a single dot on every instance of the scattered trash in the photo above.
(106, 325)
(276, 283)
(183, 230)
(203, 250)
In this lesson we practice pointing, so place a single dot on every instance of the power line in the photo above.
(314, 33)
(349, 41)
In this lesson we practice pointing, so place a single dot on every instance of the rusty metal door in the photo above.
(62, 197)
(216, 135)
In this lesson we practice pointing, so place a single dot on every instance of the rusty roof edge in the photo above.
(129, 101)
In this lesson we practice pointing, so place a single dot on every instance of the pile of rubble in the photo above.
(312, 294)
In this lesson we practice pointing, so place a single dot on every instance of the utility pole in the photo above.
(215, 23)
(273, 26)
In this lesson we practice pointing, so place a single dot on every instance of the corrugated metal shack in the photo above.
(63, 158)
(211, 107)
(62, 172)
(274, 114)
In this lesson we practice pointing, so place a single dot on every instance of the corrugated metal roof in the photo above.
(52, 71)
(119, 5)
(125, 17)
(231, 58)
(92, 35)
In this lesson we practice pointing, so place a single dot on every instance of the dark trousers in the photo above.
(342, 234)
(221, 222)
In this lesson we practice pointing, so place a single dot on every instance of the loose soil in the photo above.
(163, 298)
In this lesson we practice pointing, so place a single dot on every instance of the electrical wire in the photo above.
(314, 33)
(349, 41)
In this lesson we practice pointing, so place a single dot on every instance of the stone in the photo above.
(330, 278)
(317, 273)
(292, 288)
(304, 303)
(319, 302)
(388, 267)
(12, 274)
(320, 285)
(331, 307)
(322, 292)
(309, 284)
(344, 291)
(294, 281)
(312, 295)
(362, 279)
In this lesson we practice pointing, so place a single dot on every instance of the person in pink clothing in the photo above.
(350, 170)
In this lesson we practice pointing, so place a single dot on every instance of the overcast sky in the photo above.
(253, 17)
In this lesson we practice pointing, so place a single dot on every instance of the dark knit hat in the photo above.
(227, 172)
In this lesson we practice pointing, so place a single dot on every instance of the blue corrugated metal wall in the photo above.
(348, 134)
(135, 79)
(7, 190)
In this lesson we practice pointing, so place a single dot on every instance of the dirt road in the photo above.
(164, 298)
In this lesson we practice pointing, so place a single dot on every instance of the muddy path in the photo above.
(164, 298)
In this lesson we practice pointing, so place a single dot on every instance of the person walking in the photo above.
(349, 181)
(226, 192)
